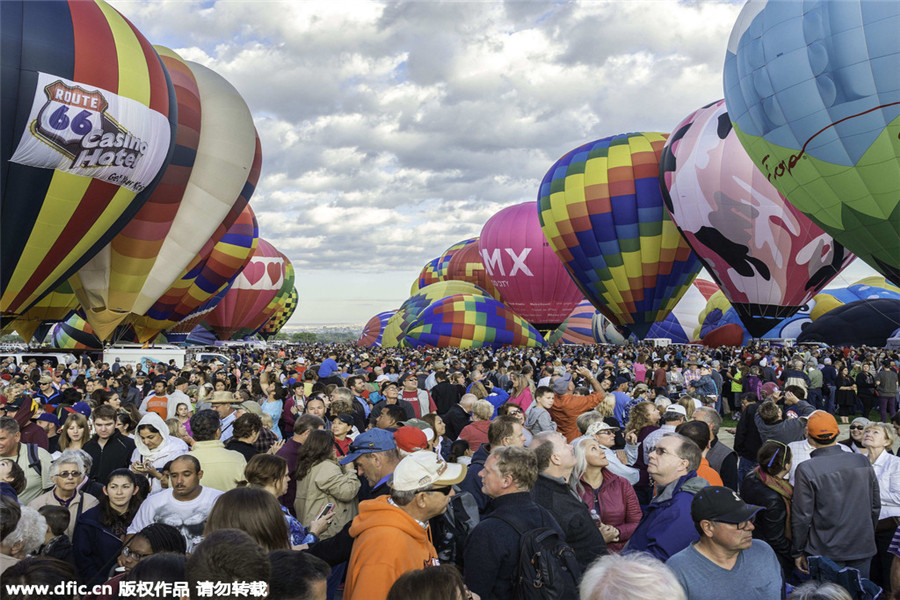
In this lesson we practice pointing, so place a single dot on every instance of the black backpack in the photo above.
(547, 567)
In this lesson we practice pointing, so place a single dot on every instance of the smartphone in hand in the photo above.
(325, 510)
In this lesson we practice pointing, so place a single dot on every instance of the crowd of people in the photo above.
(329, 471)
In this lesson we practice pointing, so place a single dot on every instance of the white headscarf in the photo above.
(169, 448)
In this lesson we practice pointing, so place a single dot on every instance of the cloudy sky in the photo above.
(393, 130)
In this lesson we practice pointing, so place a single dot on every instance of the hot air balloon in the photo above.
(720, 324)
(602, 211)
(282, 315)
(869, 288)
(470, 321)
(523, 267)
(444, 259)
(768, 258)
(812, 91)
(466, 265)
(578, 328)
(88, 123)
(75, 333)
(410, 309)
(206, 280)
(198, 194)
(56, 306)
(371, 333)
(242, 307)
(679, 326)
(281, 298)
(427, 276)
(861, 322)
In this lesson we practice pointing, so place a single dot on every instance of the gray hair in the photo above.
(9, 425)
(404, 497)
(68, 457)
(31, 531)
(342, 393)
(815, 590)
(587, 419)
(688, 450)
(710, 416)
(637, 576)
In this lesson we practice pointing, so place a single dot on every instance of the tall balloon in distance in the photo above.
(601, 209)
(525, 270)
(87, 124)
(768, 258)
(813, 92)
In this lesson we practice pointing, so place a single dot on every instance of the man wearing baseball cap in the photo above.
(391, 534)
(374, 454)
(726, 562)
(836, 501)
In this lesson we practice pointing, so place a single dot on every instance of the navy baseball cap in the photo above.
(374, 440)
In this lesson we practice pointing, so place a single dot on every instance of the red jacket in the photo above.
(618, 506)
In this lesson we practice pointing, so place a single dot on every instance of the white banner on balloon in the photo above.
(89, 131)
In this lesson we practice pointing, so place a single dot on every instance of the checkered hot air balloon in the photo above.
(601, 209)
(470, 321)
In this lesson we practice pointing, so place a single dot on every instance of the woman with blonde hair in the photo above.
(644, 421)
(611, 499)
(476, 432)
(878, 438)
(521, 395)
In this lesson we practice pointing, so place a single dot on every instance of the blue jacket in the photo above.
(667, 527)
(94, 546)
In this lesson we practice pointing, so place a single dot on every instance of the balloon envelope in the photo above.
(427, 276)
(524, 268)
(415, 304)
(466, 265)
(219, 153)
(251, 293)
(470, 321)
(768, 258)
(373, 330)
(601, 209)
(88, 123)
(813, 92)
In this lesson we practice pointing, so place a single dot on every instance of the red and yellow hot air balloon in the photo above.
(87, 126)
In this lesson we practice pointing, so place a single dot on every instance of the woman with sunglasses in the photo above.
(67, 472)
(766, 486)
(878, 438)
(855, 440)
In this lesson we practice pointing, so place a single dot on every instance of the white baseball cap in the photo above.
(422, 469)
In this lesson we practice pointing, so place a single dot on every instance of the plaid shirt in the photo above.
(265, 440)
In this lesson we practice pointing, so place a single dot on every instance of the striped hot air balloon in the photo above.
(87, 124)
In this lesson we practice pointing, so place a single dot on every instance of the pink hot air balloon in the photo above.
(531, 278)
(243, 306)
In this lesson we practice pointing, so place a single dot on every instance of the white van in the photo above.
(658, 342)
(55, 358)
(144, 358)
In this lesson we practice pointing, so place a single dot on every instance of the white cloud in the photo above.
(392, 130)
